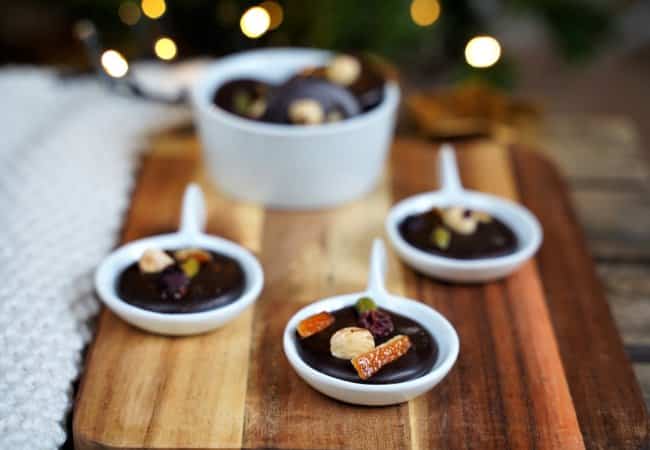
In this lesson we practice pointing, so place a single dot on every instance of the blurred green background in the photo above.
(423, 37)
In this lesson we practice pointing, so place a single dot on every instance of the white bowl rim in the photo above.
(200, 98)
(441, 367)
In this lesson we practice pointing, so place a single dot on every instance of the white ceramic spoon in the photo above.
(379, 394)
(190, 234)
(522, 222)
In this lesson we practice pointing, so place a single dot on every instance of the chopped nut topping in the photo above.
(256, 109)
(245, 104)
(191, 267)
(457, 219)
(369, 363)
(154, 260)
(193, 253)
(314, 324)
(441, 237)
(241, 101)
(350, 342)
(306, 111)
(365, 304)
(343, 70)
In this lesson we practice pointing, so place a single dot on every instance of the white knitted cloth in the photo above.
(67, 157)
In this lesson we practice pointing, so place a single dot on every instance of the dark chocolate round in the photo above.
(368, 88)
(330, 96)
(218, 283)
(489, 240)
(418, 361)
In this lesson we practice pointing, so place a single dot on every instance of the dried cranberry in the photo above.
(377, 322)
(173, 283)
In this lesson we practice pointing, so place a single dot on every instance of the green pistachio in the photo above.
(365, 304)
(191, 267)
(241, 102)
(441, 237)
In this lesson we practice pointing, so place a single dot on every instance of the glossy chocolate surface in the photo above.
(418, 361)
(230, 94)
(217, 283)
(330, 96)
(368, 88)
(490, 239)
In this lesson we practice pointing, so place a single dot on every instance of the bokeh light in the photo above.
(84, 29)
(425, 12)
(276, 13)
(129, 13)
(255, 22)
(165, 48)
(153, 9)
(114, 63)
(482, 51)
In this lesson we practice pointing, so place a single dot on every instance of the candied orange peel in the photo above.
(369, 363)
(314, 324)
(192, 253)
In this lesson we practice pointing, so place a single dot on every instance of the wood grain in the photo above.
(140, 390)
(527, 375)
(308, 256)
(604, 163)
(573, 293)
(524, 383)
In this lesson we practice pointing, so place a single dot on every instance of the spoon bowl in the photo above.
(190, 234)
(519, 219)
(440, 329)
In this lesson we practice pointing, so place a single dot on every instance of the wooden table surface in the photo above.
(605, 402)
(609, 177)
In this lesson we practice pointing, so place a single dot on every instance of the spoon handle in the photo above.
(448, 175)
(193, 215)
(378, 267)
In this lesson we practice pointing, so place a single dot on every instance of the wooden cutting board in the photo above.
(541, 363)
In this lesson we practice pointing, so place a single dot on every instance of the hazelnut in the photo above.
(350, 342)
(154, 260)
(460, 220)
(343, 70)
(306, 111)
(256, 109)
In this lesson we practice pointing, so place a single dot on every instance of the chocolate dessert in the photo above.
(181, 281)
(365, 344)
(344, 88)
(458, 233)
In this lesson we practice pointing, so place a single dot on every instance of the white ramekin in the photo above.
(285, 166)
